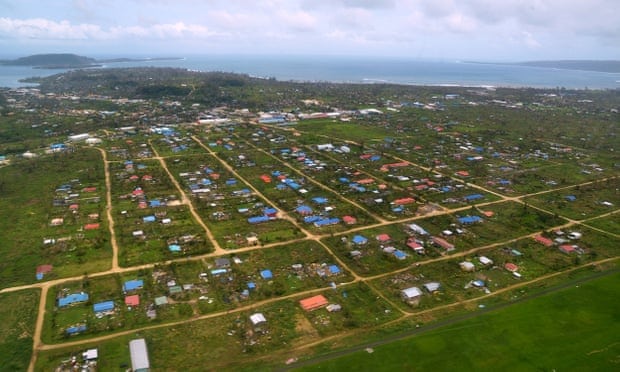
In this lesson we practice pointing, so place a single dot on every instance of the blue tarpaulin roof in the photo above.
(474, 197)
(319, 200)
(358, 239)
(469, 219)
(266, 274)
(258, 219)
(303, 209)
(103, 306)
(75, 329)
(130, 285)
(72, 299)
(334, 269)
(326, 222)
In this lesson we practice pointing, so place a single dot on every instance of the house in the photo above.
(485, 260)
(403, 201)
(411, 295)
(319, 200)
(91, 226)
(222, 262)
(313, 303)
(570, 198)
(332, 308)
(258, 219)
(133, 300)
(442, 243)
(101, 307)
(304, 210)
(76, 329)
(359, 240)
(349, 220)
(334, 269)
(473, 197)
(266, 274)
(417, 247)
(139, 355)
(326, 222)
(400, 255)
(162, 300)
(544, 241)
(148, 219)
(90, 354)
(251, 240)
(42, 270)
(417, 229)
(567, 248)
(432, 287)
(132, 285)
(383, 238)
(174, 248)
(511, 267)
(74, 298)
(258, 319)
(467, 266)
(468, 220)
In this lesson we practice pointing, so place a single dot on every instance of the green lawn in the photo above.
(575, 329)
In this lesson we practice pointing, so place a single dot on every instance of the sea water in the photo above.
(360, 70)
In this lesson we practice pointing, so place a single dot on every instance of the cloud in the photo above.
(39, 28)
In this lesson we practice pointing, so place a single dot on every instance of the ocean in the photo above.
(361, 70)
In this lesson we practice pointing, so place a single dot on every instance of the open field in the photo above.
(18, 312)
(573, 329)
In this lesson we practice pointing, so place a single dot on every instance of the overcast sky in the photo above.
(490, 30)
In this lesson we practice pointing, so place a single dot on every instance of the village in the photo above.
(264, 230)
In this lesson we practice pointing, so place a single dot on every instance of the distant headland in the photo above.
(611, 66)
(68, 60)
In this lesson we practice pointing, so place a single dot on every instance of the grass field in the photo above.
(18, 313)
(575, 329)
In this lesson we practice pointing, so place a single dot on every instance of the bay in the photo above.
(359, 70)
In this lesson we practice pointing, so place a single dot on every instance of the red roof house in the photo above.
(511, 267)
(403, 201)
(313, 303)
(349, 220)
(383, 238)
(133, 300)
(544, 241)
(91, 226)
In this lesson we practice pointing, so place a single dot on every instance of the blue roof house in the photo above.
(319, 200)
(148, 219)
(468, 220)
(359, 240)
(266, 274)
(103, 306)
(73, 298)
(473, 197)
(334, 269)
(132, 285)
(75, 329)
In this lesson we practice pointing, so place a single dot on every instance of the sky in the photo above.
(482, 30)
